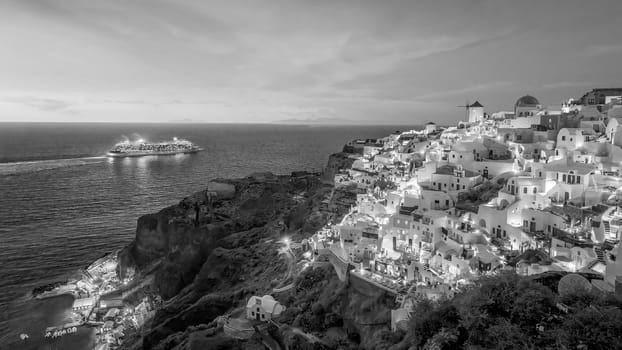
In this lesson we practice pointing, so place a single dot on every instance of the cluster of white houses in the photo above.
(537, 189)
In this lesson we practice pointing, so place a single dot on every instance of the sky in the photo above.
(360, 62)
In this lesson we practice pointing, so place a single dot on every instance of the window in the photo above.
(563, 138)
(578, 179)
(571, 139)
(453, 156)
(534, 190)
(463, 187)
(564, 177)
(447, 202)
(525, 189)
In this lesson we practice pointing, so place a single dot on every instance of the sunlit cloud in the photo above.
(247, 61)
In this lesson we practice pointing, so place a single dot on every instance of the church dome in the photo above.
(527, 100)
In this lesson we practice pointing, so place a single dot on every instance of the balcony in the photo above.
(576, 236)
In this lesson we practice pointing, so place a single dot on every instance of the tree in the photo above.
(533, 303)
(596, 327)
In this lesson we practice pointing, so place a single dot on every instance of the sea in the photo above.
(63, 204)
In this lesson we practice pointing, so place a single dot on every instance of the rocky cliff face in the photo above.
(219, 246)
(336, 162)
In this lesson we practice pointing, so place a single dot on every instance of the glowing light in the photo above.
(141, 140)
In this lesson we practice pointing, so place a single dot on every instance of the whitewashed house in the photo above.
(263, 308)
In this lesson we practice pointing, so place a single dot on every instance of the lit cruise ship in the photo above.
(143, 148)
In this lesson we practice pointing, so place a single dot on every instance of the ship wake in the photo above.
(16, 168)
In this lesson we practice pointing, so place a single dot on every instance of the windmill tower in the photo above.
(474, 112)
(467, 105)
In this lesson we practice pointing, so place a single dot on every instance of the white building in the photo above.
(449, 178)
(570, 138)
(82, 304)
(527, 106)
(263, 308)
(475, 112)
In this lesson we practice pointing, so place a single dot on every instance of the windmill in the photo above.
(467, 105)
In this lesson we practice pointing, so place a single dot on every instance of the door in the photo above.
(532, 226)
(258, 315)
(566, 196)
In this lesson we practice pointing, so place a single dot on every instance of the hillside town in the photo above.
(101, 302)
(534, 190)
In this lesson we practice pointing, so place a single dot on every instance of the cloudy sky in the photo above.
(260, 61)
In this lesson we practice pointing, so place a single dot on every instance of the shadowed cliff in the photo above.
(219, 246)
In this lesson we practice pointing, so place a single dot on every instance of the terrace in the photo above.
(577, 236)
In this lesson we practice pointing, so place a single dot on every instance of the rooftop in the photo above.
(527, 100)
(476, 104)
(449, 170)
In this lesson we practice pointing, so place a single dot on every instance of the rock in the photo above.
(208, 265)
(222, 190)
(335, 163)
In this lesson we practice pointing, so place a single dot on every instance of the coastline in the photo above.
(195, 266)
(128, 261)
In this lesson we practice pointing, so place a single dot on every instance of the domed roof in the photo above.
(527, 100)
(573, 284)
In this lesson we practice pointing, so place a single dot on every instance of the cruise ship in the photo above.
(143, 148)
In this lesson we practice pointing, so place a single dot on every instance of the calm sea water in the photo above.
(62, 204)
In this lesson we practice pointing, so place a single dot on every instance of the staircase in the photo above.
(600, 254)
(607, 227)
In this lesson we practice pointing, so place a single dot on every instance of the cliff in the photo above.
(216, 248)
(336, 162)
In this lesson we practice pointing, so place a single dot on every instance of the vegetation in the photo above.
(512, 312)
(385, 184)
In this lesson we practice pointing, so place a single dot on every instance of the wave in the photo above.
(16, 168)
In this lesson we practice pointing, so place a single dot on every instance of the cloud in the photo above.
(465, 91)
(244, 60)
(43, 104)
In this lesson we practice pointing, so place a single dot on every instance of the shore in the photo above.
(119, 294)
